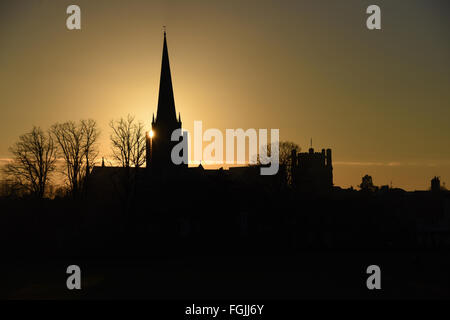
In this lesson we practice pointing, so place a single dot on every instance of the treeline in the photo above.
(71, 149)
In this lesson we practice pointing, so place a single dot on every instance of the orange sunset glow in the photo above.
(380, 100)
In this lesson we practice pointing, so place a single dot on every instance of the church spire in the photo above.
(163, 125)
(166, 103)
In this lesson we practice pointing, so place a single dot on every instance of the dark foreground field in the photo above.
(317, 275)
(228, 245)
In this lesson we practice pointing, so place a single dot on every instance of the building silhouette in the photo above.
(435, 184)
(312, 171)
(159, 144)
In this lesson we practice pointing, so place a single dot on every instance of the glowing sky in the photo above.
(379, 99)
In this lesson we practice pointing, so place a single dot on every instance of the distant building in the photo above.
(312, 171)
(435, 184)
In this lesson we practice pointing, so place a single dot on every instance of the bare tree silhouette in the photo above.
(77, 145)
(33, 163)
(285, 149)
(128, 147)
(91, 133)
(128, 142)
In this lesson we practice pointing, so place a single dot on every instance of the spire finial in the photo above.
(164, 29)
(311, 142)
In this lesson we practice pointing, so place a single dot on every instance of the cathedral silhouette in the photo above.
(159, 145)
(309, 171)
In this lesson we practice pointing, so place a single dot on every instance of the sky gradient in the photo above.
(379, 99)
